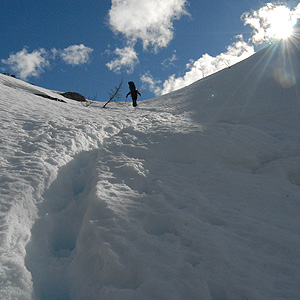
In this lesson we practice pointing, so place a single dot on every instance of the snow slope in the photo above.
(193, 195)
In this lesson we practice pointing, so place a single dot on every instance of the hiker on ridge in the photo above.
(133, 92)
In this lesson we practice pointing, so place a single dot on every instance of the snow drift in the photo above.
(192, 195)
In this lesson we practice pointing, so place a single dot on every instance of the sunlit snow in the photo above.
(192, 195)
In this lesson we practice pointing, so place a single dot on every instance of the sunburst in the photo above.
(281, 23)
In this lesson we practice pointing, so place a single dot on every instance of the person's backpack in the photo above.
(131, 86)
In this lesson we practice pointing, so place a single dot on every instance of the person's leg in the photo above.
(134, 101)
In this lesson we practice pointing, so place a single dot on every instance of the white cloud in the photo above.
(76, 54)
(28, 64)
(54, 53)
(168, 62)
(152, 83)
(33, 64)
(127, 60)
(148, 20)
(204, 66)
(272, 21)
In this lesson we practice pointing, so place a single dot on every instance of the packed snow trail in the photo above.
(54, 235)
(63, 209)
(137, 226)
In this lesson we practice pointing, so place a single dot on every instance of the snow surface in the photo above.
(192, 195)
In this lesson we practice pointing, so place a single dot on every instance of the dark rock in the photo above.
(51, 98)
(74, 96)
(7, 74)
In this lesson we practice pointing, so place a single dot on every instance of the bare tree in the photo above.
(87, 103)
(226, 63)
(114, 94)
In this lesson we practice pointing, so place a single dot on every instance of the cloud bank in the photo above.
(32, 64)
(150, 21)
(204, 66)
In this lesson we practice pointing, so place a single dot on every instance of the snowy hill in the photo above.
(193, 195)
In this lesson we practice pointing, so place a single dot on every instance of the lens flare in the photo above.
(285, 70)
(284, 77)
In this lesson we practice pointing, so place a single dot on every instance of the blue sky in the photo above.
(162, 45)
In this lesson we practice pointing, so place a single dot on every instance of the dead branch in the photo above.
(114, 95)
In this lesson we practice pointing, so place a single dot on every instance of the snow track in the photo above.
(124, 205)
(54, 235)
(95, 203)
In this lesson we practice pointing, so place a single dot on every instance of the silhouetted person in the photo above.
(133, 92)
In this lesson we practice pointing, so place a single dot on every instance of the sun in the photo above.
(281, 23)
